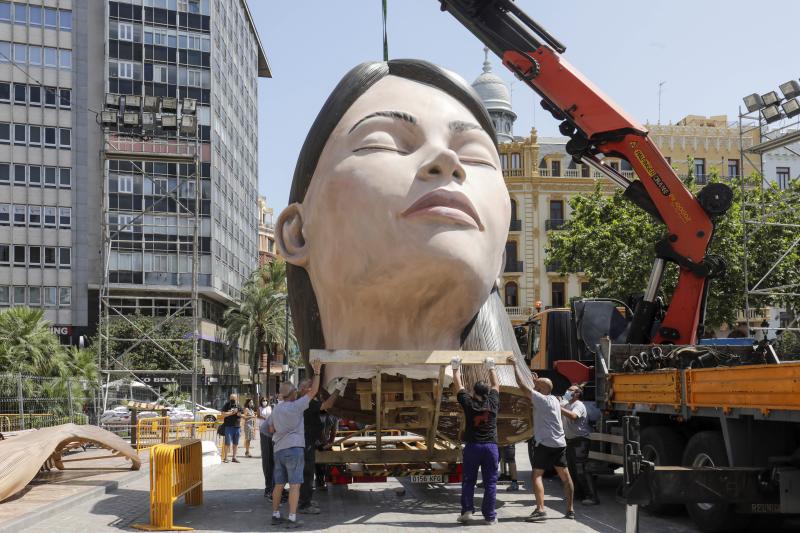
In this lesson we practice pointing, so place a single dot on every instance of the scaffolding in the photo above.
(137, 146)
(757, 138)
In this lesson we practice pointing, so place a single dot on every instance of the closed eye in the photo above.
(477, 161)
(379, 147)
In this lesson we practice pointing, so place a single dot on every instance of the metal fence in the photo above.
(29, 402)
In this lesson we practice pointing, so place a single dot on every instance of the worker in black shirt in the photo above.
(480, 437)
(232, 413)
(313, 426)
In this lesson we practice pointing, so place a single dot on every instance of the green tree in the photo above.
(260, 320)
(27, 346)
(168, 347)
(611, 242)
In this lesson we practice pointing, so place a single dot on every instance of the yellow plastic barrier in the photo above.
(176, 469)
(151, 431)
(197, 430)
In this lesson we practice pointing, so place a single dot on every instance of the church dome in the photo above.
(492, 89)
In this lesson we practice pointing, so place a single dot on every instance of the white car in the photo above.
(204, 414)
(121, 414)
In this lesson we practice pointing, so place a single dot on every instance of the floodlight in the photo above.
(112, 100)
(753, 102)
(151, 104)
(108, 117)
(770, 98)
(149, 120)
(169, 104)
(791, 107)
(130, 119)
(189, 106)
(771, 113)
(790, 89)
(133, 101)
(169, 122)
(188, 124)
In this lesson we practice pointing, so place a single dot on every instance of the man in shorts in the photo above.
(288, 444)
(232, 415)
(550, 449)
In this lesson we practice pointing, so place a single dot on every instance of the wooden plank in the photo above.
(408, 392)
(378, 409)
(606, 457)
(401, 404)
(407, 357)
(365, 400)
(437, 407)
(605, 437)
(418, 387)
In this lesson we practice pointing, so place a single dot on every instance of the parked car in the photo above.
(121, 414)
(204, 414)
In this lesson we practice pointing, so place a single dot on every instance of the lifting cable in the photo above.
(385, 36)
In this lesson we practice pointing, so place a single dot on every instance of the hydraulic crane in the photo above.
(597, 127)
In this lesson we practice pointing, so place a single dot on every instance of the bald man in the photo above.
(551, 446)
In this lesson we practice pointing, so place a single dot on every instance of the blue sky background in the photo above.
(709, 52)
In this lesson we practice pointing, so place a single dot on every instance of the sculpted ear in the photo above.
(289, 235)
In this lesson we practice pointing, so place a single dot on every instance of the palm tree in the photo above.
(27, 346)
(260, 320)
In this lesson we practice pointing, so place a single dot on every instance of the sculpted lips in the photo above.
(453, 206)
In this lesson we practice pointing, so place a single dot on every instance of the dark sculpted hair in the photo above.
(490, 329)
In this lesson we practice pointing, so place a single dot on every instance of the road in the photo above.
(234, 502)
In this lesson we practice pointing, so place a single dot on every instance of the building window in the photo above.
(50, 137)
(555, 168)
(5, 294)
(557, 295)
(49, 176)
(50, 18)
(50, 96)
(64, 257)
(5, 132)
(125, 31)
(35, 295)
(65, 178)
(19, 255)
(50, 296)
(65, 100)
(20, 214)
(556, 209)
(20, 53)
(35, 135)
(782, 174)
(5, 214)
(700, 171)
(64, 217)
(35, 16)
(5, 12)
(733, 168)
(5, 92)
(20, 174)
(20, 93)
(504, 161)
(125, 70)
(34, 255)
(5, 254)
(49, 217)
(512, 265)
(35, 55)
(65, 20)
(516, 161)
(5, 173)
(64, 295)
(50, 57)
(125, 183)
(511, 290)
(193, 78)
(65, 138)
(20, 134)
(49, 256)
(19, 295)
(35, 175)
(35, 95)
(35, 215)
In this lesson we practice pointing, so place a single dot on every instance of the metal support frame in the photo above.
(757, 285)
(170, 148)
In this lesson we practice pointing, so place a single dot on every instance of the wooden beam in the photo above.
(437, 407)
(378, 409)
(408, 392)
(406, 357)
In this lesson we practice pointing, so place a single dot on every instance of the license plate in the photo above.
(438, 478)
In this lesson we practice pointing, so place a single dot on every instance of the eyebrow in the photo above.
(459, 125)
(399, 115)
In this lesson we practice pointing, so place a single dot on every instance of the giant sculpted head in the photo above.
(398, 213)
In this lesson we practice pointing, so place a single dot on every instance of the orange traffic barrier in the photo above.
(176, 469)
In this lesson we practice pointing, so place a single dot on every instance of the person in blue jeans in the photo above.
(480, 441)
(231, 412)
(288, 443)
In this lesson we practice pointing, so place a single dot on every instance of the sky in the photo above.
(709, 53)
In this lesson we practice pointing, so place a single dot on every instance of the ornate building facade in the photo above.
(267, 251)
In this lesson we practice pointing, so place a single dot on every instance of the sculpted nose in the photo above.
(444, 164)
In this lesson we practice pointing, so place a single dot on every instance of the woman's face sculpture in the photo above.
(408, 194)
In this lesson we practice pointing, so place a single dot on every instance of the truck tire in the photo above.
(664, 447)
(707, 448)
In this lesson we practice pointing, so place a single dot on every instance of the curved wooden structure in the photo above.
(22, 456)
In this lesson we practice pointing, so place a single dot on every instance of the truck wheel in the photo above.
(707, 448)
(664, 447)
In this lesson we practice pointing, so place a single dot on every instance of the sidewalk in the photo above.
(234, 502)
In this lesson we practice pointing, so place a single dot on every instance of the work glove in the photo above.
(341, 385)
(455, 363)
(488, 363)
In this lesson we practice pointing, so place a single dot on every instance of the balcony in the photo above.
(554, 224)
(513, 172)
(514, 266)
(515, 225)
(580, 173)
(519, 313)
(555, 266)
